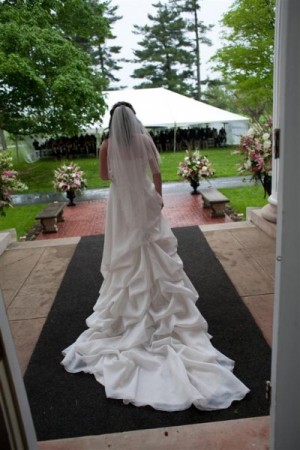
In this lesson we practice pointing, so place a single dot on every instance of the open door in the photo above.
(16, 426)
(285, 405)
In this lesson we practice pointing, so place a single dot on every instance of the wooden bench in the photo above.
(50, 215)
(215, 200)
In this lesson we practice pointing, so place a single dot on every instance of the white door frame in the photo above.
(285, 405)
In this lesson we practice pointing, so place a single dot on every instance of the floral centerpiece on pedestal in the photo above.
(256, 146)
(195, 168)
(9, 182)
(69, 178)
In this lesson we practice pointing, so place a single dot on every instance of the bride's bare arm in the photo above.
(103, 170)
(154, 165)
(157, 182)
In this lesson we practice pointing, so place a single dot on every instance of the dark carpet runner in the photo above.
(68, 405)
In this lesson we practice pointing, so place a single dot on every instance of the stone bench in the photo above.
(215, 200)
(50, 215)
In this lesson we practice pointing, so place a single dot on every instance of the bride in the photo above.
(146, 340)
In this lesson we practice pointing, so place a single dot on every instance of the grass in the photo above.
(39, 175)
(22, 218)
(243, 197)
(223, 161)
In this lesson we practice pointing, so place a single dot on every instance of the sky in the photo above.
(135, 12)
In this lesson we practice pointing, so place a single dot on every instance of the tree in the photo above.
(246, 60)
(218, 94)
(198, 29)
(47, 83)
(103, 54)
(165, 58)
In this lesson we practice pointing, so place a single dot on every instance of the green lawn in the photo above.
(223, 160)
(22, 218)
(39, 175)
(242, 197)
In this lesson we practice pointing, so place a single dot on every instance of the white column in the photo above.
(285, 404)
(269, 212)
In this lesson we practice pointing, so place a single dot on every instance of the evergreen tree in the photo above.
(103, 54)
(165, 58)
(246, 60)
(198, 31)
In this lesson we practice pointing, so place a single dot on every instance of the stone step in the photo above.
(226, 226)
(255, 216)
(6, 238)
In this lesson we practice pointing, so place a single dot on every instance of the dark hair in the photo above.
(116, 105)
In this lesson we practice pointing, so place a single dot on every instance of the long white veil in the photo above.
(130, 152)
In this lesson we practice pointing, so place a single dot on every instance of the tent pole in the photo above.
(174, 141)
(17, 147)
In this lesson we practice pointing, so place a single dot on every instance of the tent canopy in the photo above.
(159, 107)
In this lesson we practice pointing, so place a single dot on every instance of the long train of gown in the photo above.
(146, 341)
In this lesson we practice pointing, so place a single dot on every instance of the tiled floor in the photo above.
(31, 272)
(88, 218)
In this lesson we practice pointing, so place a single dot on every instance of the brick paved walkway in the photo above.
(88, 217)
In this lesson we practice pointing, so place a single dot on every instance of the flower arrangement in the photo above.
(68, 178)
(9, 182)
(195, 167)
(256, 147)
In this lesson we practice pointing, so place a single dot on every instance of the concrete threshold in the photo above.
(43, 243)
(226, 226)
(242, 434)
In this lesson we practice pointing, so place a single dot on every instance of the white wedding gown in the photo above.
(146, 340)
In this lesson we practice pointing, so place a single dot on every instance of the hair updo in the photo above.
(115, 106)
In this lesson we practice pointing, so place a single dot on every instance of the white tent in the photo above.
(159, 107)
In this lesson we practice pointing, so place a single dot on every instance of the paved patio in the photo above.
(31, 272)
(88, 218)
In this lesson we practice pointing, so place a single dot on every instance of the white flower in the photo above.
(250, 132)
(247, 164)
(267, 144)
(266, 136)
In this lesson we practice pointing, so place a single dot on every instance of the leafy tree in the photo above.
(246, 60)
(218, 94)
(165, 57)
(198, 29)
(47, 83)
